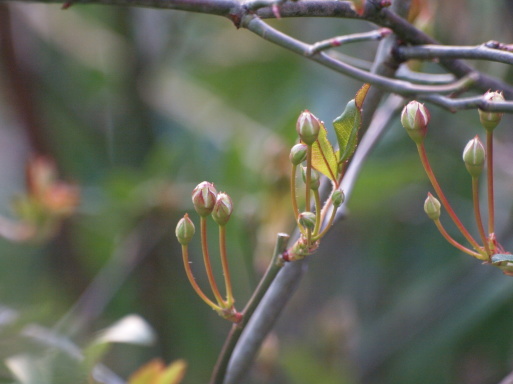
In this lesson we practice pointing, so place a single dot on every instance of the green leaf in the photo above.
(174, 373)
(348, 123)
(155, 372)
(148, 373)
(324, 158)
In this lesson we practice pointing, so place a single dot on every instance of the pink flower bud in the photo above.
(489, 120)
(474, 157)
(204, 198)
(308, 127)
(222, 209)
(415, 119)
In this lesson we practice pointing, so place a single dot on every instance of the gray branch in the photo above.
(480, 102)
(260, 9)
(477, 52)
(259, 27)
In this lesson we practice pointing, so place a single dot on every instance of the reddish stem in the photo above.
(489, 166)
(477, 213)
(206, 260)
(443, 199)
(455, 243)
(224, 262)
(192, 280)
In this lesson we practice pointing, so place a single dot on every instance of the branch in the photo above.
(231, 341)
(508, 379)
(477, 52)
(375, 12)
(259, 27)
(480, 102)
(353, 38)
(408, 33)
(381, 120)
(264, 318)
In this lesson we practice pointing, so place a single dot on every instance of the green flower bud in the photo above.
(415, 118)
(315, 178)
(432, 207)
(204, 198)
(185, 230)
(337, 198)
(489, 120)
(474, 157)
(308, 127)
(298, 153)
(222, 209)
(307, 220)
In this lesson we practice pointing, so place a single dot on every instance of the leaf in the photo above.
(148, 373)
(324, 158)
(154, 372)
(174, 373)
(360, 96)
(348, 123)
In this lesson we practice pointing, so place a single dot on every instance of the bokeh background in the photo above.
(137, 106)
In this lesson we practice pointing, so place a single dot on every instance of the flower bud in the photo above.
(315, 178)
(474, 157)
(307, 220)
(432, 207)
(308, 127)
(337, 198)
(185, 230)
(298, 153)
(204, 198)
(415, 118)
(489, 120)
(222, 209)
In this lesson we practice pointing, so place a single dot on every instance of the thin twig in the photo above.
(480, 102)
(259, 27)
(423, 78)
(375, 35)
(237, 11)
(476, 52)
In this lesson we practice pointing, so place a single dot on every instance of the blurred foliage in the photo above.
(137, 106)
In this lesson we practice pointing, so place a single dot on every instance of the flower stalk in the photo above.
(434, 182)
(489, 183)
(207, 202)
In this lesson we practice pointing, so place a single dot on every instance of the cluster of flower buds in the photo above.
(415, 119)
(45, 204)
(208, 202)
(310, 220)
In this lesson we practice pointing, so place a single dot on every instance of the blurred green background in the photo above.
(137, 106)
